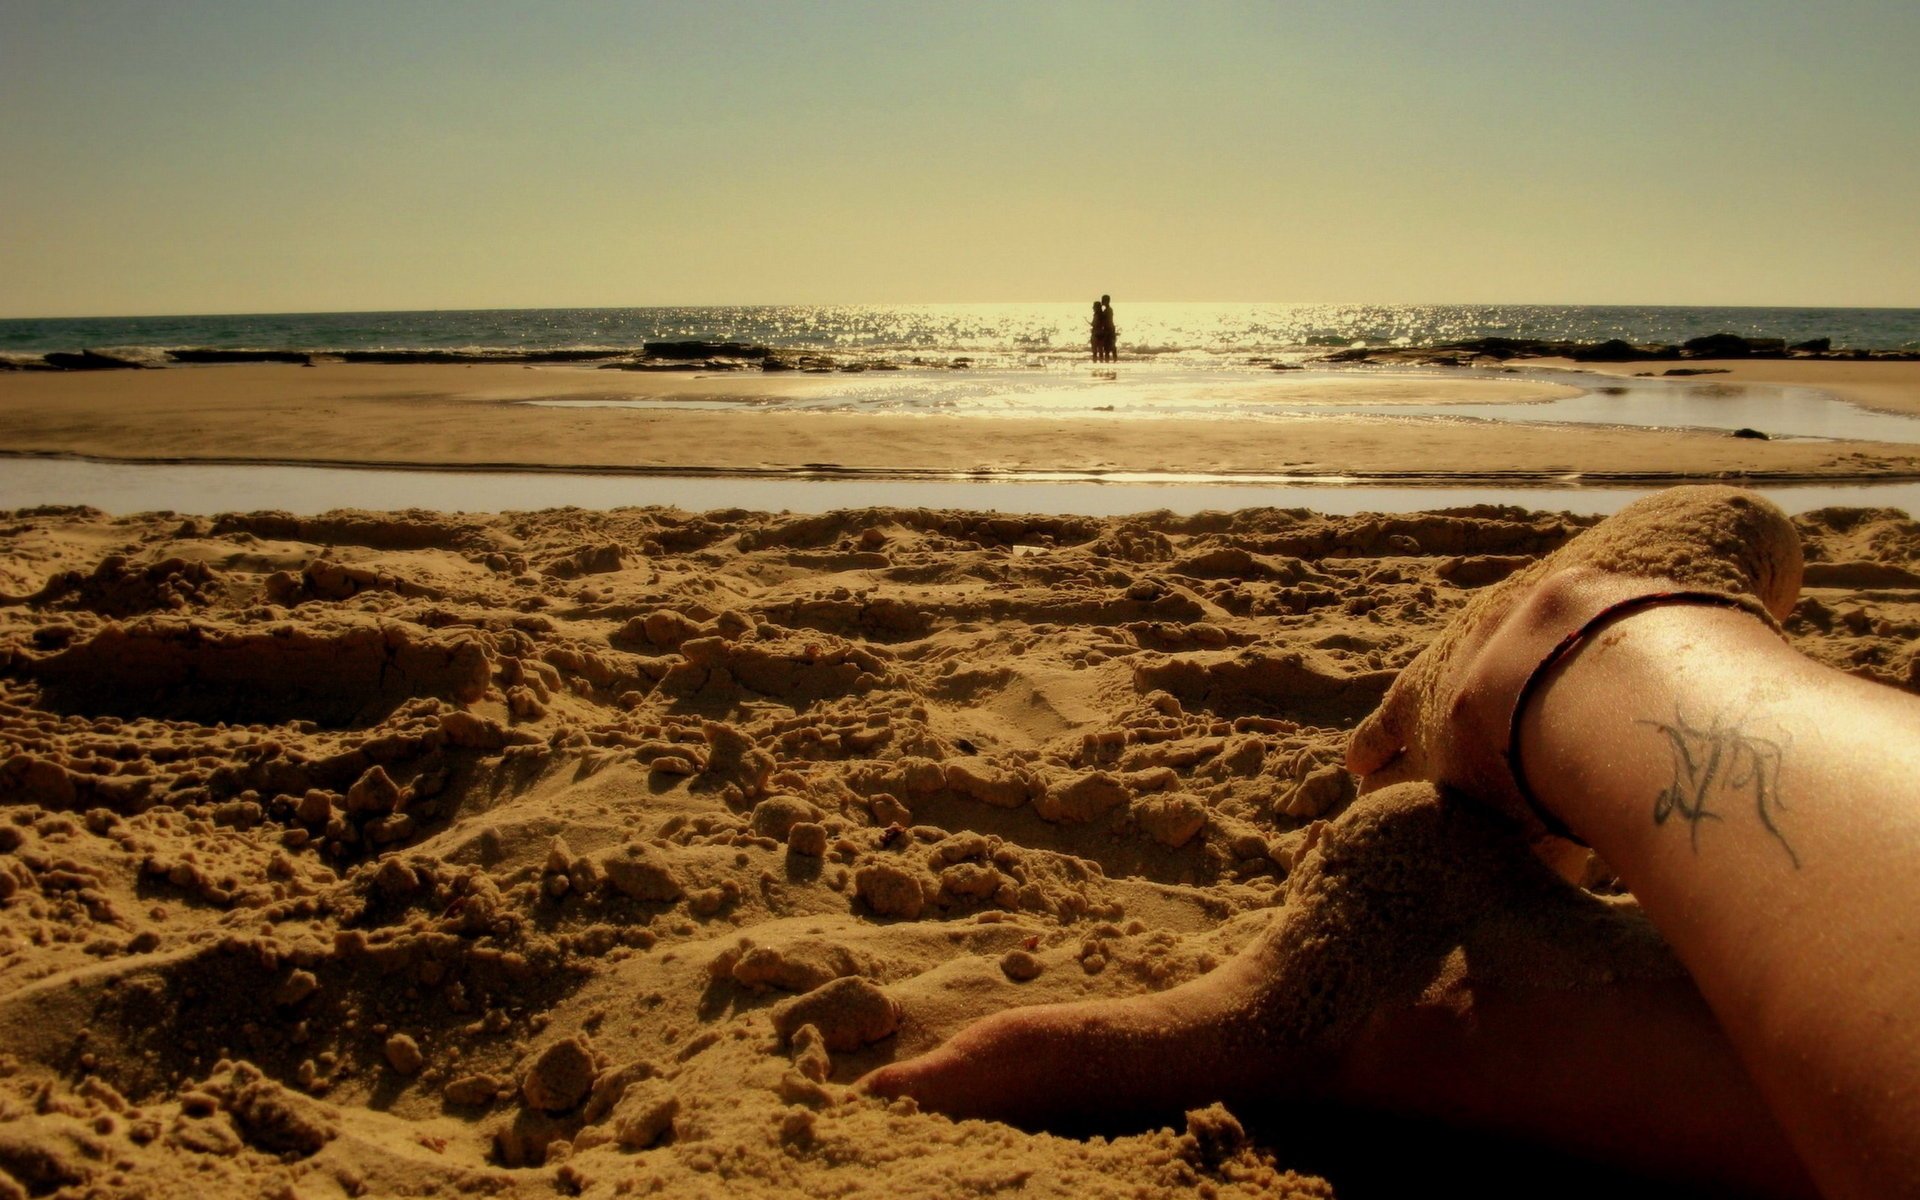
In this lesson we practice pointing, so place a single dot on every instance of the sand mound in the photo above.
(331, 674)
(596, 853)
(414, 529)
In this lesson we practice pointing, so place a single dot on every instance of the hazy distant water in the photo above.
(991, 334)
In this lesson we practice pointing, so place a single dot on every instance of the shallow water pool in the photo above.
(197, 488)
(1160, 391)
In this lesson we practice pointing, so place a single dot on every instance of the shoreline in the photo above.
(744, 348)
(473, 418)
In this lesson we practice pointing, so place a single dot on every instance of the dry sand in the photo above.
(407, 854)
(475, 416)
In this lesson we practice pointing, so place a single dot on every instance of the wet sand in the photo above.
(1888, 386)
(474, 416)
(409, 854)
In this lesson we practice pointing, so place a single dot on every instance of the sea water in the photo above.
(1159, 390)
(1021, 357)
(989, 334)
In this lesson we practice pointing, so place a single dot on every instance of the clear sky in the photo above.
(167, 156)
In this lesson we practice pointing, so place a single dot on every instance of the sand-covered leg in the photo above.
(1094, 1064)
(1448, 710)
(1565, 1019)
(1425, 963)
(1636, 1073)
(1372, 911)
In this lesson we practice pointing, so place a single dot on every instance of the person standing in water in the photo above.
(1105, 336)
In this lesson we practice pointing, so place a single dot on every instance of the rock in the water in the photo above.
(695, 349)
(92, 360)
(1611, 350)
(208, 354)
(1732, 345)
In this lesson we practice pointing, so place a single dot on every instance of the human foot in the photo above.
(1371, 912)
(1068, 1067)
(1446, 717)
(1560, 1018)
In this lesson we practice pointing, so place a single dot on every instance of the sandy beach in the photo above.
(479, 416)
(409, 854)
(927, 602)
(600, 852)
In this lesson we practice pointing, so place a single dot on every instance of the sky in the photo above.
(166, 156)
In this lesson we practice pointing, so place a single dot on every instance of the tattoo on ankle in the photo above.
(1721, 760)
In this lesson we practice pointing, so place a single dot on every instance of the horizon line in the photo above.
(329, 312)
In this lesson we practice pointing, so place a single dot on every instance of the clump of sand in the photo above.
(597, 853)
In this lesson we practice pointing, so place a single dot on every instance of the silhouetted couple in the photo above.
(1106, 338)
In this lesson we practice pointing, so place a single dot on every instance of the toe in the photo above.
(1381, 737)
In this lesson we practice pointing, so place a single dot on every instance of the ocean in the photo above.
(1011, 335)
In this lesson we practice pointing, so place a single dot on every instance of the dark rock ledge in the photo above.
(1478, 351)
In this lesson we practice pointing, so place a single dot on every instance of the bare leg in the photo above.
(1633, 1074)
(1361, 994)
(1064, 1066)
(1287, 1003)
(1445, 718)
(1763, 808)
(1664, 740)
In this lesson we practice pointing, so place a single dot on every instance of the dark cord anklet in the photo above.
(1567, 645)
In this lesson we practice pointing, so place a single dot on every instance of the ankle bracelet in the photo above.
(1573, 641)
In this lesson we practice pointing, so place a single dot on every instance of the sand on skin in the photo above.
(385, 853)
(352, 414)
